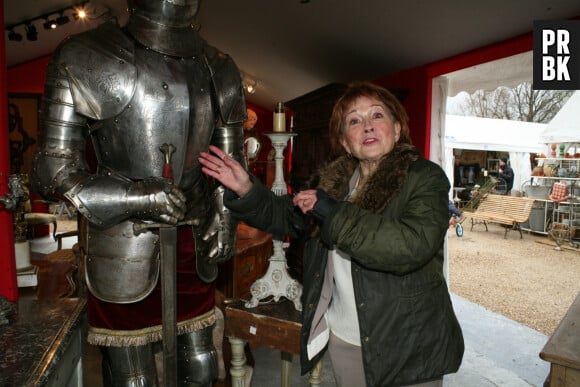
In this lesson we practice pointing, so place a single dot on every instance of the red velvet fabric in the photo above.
(194, 297)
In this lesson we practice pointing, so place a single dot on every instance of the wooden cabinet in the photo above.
(250, 262)
(311, 147)
(563, 350)
(310, 151)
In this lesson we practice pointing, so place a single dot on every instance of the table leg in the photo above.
(238, 362)
(286, 367)
(316, 375)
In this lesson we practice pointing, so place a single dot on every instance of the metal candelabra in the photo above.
(277, 282)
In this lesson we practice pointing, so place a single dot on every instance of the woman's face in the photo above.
(369, 131)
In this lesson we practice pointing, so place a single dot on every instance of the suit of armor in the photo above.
(131, 90)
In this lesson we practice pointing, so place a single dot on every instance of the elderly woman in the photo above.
(374, 292)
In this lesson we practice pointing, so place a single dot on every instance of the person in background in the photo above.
(148, 96)
(453, 210)
(457, 173)
(375, 296)
(506, 173)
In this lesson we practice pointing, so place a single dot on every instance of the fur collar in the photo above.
(379, 189)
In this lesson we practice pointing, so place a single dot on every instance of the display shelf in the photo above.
(565, 226)
(560, 168)
(561, 218)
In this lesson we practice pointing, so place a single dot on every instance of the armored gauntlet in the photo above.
(108, 200)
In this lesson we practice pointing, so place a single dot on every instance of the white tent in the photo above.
(488, 134)
(565, 126)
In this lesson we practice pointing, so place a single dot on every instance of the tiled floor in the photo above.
(499, 351)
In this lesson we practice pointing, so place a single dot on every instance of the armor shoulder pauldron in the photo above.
(100, 67)
(228, 86)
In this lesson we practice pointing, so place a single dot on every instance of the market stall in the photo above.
(519, 139)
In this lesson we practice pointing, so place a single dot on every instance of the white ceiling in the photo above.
(295, 46)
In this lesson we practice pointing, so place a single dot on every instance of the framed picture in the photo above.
(23, 127)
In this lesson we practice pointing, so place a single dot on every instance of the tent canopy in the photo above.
(491, 134)
(508, 72)
(517, 138)
(565, 126)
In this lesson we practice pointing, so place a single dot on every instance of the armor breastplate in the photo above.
(166, 108)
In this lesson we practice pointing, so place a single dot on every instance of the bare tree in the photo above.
(521, 103)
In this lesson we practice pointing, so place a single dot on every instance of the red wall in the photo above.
(28, 77)
(8, 285)
(415, 82)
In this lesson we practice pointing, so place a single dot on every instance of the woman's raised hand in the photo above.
(228, 171)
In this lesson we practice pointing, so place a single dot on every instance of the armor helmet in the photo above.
(165, 25)
(170, 13)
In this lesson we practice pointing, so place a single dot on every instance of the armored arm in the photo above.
(222, 227)
(60, 162)
(219, 233)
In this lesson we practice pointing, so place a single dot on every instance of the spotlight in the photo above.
(62, 19)
(80, 14)
(50, 25)
(14, 36)
(31, 33)
(251, 86)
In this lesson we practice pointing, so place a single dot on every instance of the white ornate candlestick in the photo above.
(277, 282)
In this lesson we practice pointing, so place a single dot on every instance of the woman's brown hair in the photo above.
(365, 89)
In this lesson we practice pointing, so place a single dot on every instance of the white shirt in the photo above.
(337, 299)
(341, 314)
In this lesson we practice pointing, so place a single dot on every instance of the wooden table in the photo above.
(563, 350)
(274, 325)
(43, 345)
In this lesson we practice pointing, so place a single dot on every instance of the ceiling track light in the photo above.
(62, 19)
(31, 32)
(49, 23)
(251, 87)
(80, 14)
(14, 36)
(249, 83)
